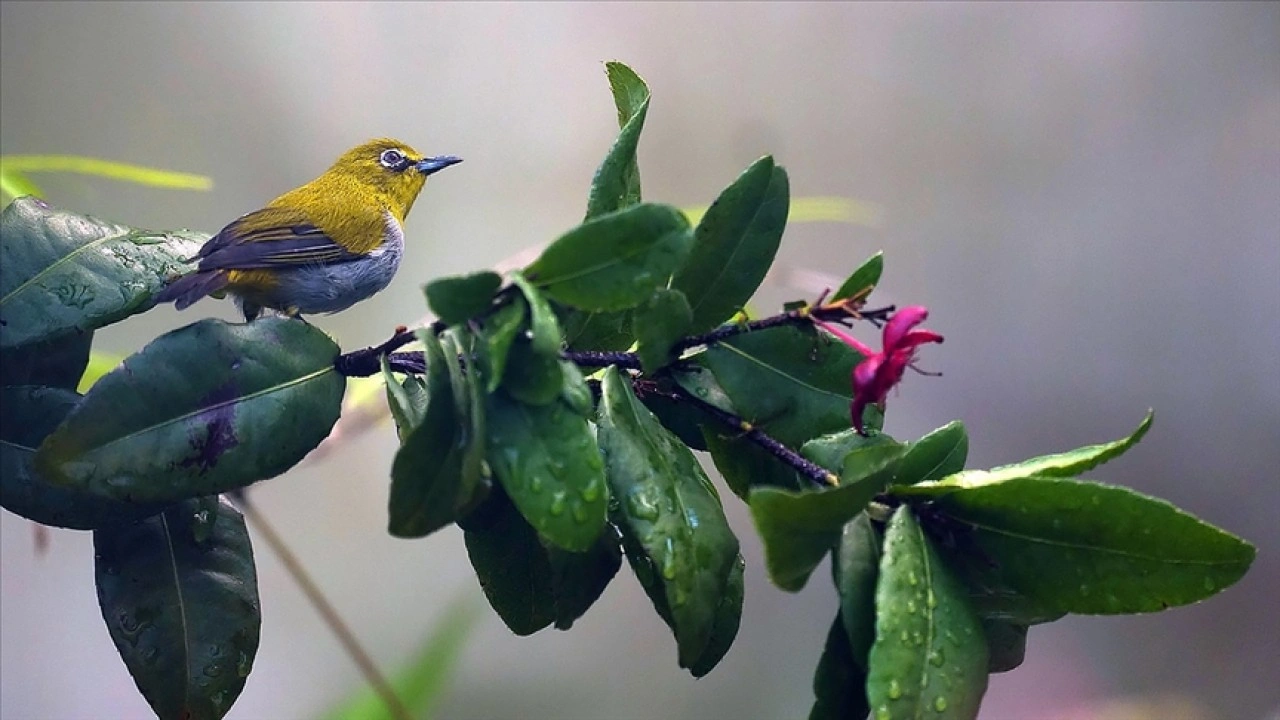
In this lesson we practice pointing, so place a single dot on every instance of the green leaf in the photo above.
(597, 331)
(203, 409)
(930, 656)
(179, 594)
(1007, 643)
(616, 184)
(728, 618)
(674, 529)
(745, 465)
(829, 451)
(1089, 548)
(125, 172)
(790, 382)
(421, 682)
(458, 299)
(61, 272)
(863, 280)
(615, 261)
(1066, 464)
(407, 400)
(497, 333)
(940, 453)
(798, 528)
(57, 363)
(31, 413)
(437, 469)
(735, 244)
(661, 322)
(532, 377)
(543, 324)
(855, 568)
(547, 462)
(838, 684)
(680, 417)
(532, 584)
(14, 184)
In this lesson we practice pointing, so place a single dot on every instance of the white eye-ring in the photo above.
(391, 159)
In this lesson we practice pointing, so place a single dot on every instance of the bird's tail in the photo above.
(187, 289)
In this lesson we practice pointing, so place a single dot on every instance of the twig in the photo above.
(812, 471)
(348, 639)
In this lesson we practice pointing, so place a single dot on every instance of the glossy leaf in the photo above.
(659, 323)
(597, 330)
(799, 528)
(458, 299)
(532, 584)
(406, 399)
(179, 594)
(791, 383)
(674, 529)
(863, 280)
(734, 245)
(543, 325)
(929, 658)
(437, 469)
(203, 409)
(548, 463)
(30, 414)
(839, 682)
(1085, 547)
(616, 184)
(56, 363)
(497, 333)
(532, 377)
(1007, 643)
(855, 568)
(745, 465)
(680, 417)
(829, 451)
(61, 273)
(615, 261)
(728, 618)
(940, 453)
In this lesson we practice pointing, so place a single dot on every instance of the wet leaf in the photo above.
(497, 333)
(659, 324)
(206, 408)
(839, 683)
(61, 273)
(617, 181)
(940, 453)
(179, 594)
(458, 299)
(855, 568)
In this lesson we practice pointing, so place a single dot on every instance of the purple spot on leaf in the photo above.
(213, 430)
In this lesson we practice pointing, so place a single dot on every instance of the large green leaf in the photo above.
(530, 583)
(863, 280)
(1086, 547)
(659, 324)
(792, 383)
(936, 455)
(617, 181)
(179, 594)
(727, 619)
(546, 460)
(61, 272)
(615, 261)
(1007, 644)
(734, 245)
(458, 299)
(1065, 464)
(929, 658)
(497, 333)
(437, 469)
(745, 465)
(204, 409)
(57, 363)
(839, 684)
(674, 529)
(830, 450)
(855, 568)
(597, 331)
(31, 413)
(799, 528)
(543, 325)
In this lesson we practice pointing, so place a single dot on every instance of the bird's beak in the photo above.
(426, 166)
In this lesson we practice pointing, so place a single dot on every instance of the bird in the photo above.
(321, 247)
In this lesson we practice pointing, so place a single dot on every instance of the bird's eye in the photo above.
(391, 159)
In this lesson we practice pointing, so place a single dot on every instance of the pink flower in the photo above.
(879, 372)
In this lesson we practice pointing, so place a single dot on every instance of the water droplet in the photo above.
(1084, 590)
(213, 669)
(940, 704)
(535, 484)
(679, 598)
(244, 664)
(580, 513)
(591, 491)
(935, 657)
(216, 651)
(217, 699)
(895, 690)
(931, 600)
(1209, 584)
(911, 607)
(882, 713)
(127, 622)
(557, 504)
(642, 506)
(905, 636)
(701, 392)
(1096, 500)
(912, 579)
(917, 638)
(669, 567)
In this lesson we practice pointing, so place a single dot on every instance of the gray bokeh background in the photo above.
(1087, 196)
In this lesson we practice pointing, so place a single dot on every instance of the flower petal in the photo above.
(902, 321)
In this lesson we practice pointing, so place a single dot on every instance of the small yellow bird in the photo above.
(320, 248)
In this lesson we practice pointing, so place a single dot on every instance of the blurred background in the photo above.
(1086, 196)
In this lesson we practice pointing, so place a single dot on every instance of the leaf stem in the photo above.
(332, 619)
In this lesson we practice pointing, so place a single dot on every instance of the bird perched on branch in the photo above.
(320, 248)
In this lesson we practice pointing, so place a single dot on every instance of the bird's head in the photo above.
(392, 169)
